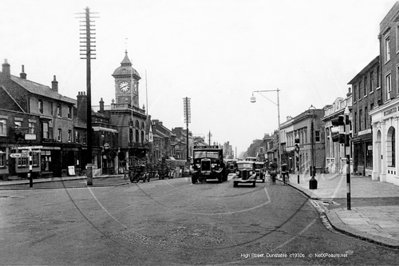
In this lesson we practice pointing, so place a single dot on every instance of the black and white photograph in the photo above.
(199, 132)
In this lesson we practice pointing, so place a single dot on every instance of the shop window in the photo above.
(2, 159)
(35, 158)
(22, 162)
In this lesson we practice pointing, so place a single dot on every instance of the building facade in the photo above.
(366, 95)
(385, 117)
(335, 152)
(54, 129)
(308, 127)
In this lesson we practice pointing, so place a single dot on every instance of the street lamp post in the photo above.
(312, 181)
(253, 100)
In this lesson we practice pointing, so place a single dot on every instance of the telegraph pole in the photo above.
(187, 119)
(86, 50)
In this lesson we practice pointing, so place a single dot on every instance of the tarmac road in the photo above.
(173, 222)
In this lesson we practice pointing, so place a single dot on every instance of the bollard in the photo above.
(89, 174)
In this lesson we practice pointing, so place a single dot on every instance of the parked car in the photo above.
(245, 174)
(260, 171)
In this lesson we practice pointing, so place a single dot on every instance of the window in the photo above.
(387, 49)
(3, 127)
(2, 159)
(59, 114)
(366, 114)
(45, 130)
(371, 81)
(354, 92)
(59, 138)
(397, 77)
(365, 86)
(40, 106)
(51, 108)
(388, 86)
(371, 108)
(391, 152)
(360, 89)
(32, 126)
(317, 136)
(69, 112)
(69, 135)
(397, 38)
(354, 123)
(360, 119)
(22, 162)
(35, 158)
(17, 124)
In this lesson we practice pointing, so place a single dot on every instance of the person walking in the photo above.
(273, 170)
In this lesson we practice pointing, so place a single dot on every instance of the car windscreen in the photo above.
(206, 154)
(244, 165)
(258, 166)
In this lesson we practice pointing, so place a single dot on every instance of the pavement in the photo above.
(370, 212)
(374, 206)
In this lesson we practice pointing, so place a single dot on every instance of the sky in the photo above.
(216, 52)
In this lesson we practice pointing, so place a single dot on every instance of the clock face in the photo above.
(124, 86)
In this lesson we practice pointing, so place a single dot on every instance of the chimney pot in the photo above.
(23, 74)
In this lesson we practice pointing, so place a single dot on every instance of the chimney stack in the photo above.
(54, 84)
(82, 106)
(5, 74)
(101, 106)
(23, 74)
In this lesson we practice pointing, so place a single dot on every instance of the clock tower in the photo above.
(126, 83)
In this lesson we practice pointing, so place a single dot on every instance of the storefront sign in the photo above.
(391, 111)
(364, 132)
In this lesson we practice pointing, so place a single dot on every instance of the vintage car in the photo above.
(260, 171)
(231, 165)
(208, 164)
(245, 173)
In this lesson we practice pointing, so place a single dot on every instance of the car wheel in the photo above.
(254, 184)
(235, 184)
(193, 179)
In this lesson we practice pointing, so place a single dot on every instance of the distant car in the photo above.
(260, 170)
(245, 173)
(231, 165)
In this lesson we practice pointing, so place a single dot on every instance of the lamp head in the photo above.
(253, 98)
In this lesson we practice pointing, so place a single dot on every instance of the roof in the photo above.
(42, 90)
(126, 69)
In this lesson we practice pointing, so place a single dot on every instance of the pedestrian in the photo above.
(284, 173)
(273, 170)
